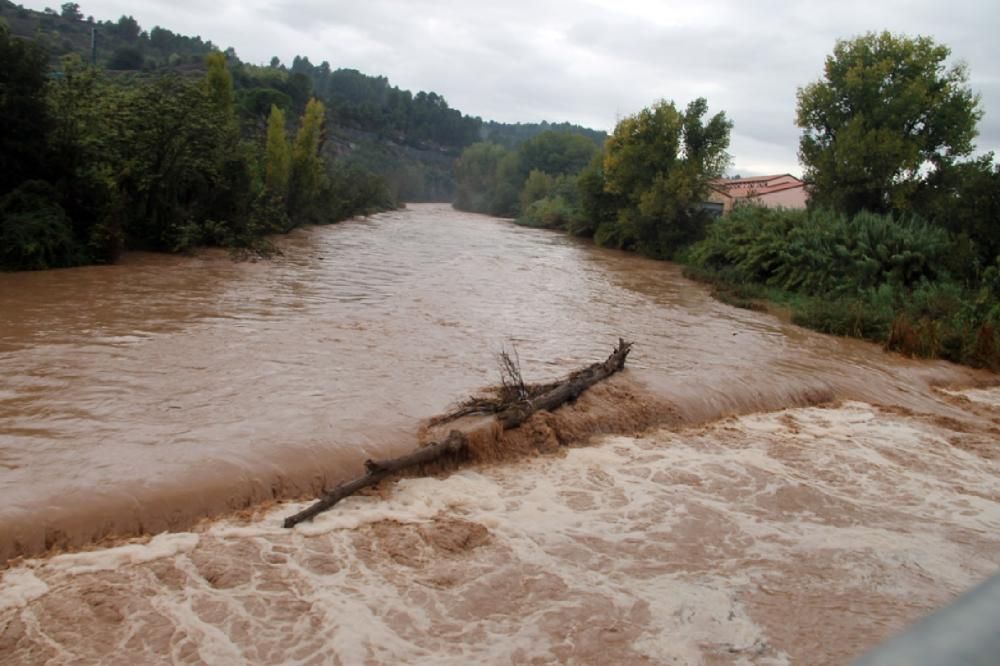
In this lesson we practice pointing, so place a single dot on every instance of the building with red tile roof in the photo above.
(782, 190)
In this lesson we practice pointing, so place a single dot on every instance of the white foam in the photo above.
(987, 396)
(662, 538)
(19, 587)
(160, 546)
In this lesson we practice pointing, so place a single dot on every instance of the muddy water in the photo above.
(147, 395)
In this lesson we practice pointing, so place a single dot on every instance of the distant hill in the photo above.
(512, 135)
(411, 140)
(121, 44)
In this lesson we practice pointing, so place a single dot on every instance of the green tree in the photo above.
(90, 137)
(537, 186)
(126, 57)
(277, 158)
(658, 162)
(219, 82)
(598, 207)
(964, 198)
(476, 176)
(307, 169)
(71, 10)
(127, 28)
(508, 179)
(556, 153)
(23, 113)
(886, 116)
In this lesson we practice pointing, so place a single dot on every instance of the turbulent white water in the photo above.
(799, 536)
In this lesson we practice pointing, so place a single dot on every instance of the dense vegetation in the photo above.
(641, 190)
(98, 164)
(902, 240)
(158, 141)
(899, 280)
(900, 244)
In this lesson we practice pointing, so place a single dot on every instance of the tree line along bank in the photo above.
(900, 243)
(119, 138)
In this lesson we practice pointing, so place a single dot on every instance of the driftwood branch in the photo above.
(375, 471)
(568, 390)
(456, 442)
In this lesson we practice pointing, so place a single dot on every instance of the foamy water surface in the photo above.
(800, 536)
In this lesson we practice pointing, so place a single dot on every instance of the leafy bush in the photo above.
(821, 252)
(126, 57)
(868, 276)
(548, 213)
(34, 230)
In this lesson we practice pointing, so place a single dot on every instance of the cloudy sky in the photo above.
(591, 61)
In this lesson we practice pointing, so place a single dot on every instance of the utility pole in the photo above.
(93, 46)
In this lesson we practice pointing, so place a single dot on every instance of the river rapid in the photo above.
(745, 492)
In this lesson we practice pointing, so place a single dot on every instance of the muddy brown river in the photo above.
(745, 492)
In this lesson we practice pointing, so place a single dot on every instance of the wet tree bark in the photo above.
(457, 443)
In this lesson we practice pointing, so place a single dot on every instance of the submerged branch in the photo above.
(510, 414)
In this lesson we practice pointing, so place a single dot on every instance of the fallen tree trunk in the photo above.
(568, 390)
(457, 442)
(375, 471)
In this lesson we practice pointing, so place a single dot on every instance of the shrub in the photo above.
(548, 213)
(34, 230)
(821, 252)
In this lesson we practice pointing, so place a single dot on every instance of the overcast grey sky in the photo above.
(592, 61)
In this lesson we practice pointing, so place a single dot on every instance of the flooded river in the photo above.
(750, 492)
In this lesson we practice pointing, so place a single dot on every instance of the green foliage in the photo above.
(127, 28)
(34, 230)
(477, 176)
(255, 104)
(658, 163)
(278, 156)
(125, 58)
(71, 10)
(555, 153)
(886, 116)
(551, 212)
(511, 136)
(867, 275)
(598, 207)
(869, 316)
(965, 199)
(821, 252)
(219, 83)
(370, 103)
(306, 172)
(350, 191)
(538, 186)
(23, 113)
(492, 179)
(158, 163)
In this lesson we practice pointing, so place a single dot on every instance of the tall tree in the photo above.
(307, 166)
(277, 159)
(658, 163)
(556, 153)
(23, 112)
(478, 178)
(128, 28)
(886, 115)
(219, 82)
(71, 10)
